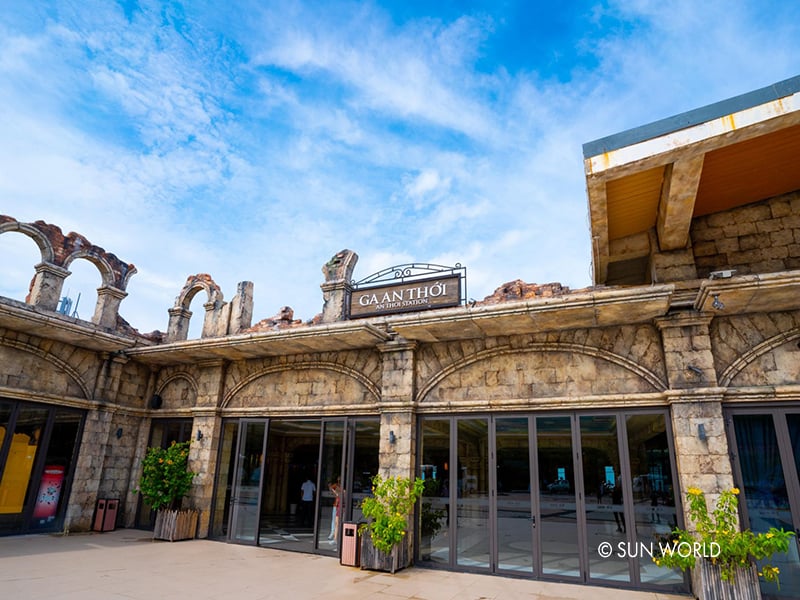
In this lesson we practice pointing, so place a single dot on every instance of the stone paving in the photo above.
(127, 564)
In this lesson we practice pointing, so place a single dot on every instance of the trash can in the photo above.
(351, 548)
(105, 516)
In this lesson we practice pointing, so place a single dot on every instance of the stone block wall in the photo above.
(758, 238)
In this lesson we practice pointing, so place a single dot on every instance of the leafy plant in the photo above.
(166, 478)
(430, 517)
(734, 548)
(392, 501)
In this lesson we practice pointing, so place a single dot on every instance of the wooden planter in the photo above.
(176, 525)
(375, 560)
(743, 587)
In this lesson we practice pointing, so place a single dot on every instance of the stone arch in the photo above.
(646, 377)
(215, 321)
(371, 388)
(758, 351)
(45, 247)
(176, 389)
(99, 261)
(61, 365)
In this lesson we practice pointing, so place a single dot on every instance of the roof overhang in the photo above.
(646, 185)
(348, 335)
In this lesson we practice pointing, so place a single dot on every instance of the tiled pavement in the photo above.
(128, 564)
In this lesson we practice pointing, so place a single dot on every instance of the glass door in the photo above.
(245, 495)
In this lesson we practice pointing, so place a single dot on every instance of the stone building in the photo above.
(544, 421)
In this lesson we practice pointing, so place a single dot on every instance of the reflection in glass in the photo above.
(765, 491)
(245, 494)
(434, 527)
(653, 492)
(602, 484)
(22, 449)
(50, 498)
(472, 504)
(514, 513)
(558, 530)
(365, 466)
(225, 471)
(330, 484)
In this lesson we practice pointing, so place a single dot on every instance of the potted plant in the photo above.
(728, 555)
(383, 546)
(165, 480)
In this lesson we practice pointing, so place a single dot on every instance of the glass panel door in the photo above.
(434, 526)
(247, 484)
(604, 495)
(515, 522)
(330, 485)
(653, 492)
(291, 485)
(558, 516)
(472, 500)
(226, 467)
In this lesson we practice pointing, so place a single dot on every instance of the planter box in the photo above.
(744, 586)
(176, 525)
(375, 560)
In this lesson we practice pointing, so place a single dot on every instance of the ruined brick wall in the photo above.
(758, 238)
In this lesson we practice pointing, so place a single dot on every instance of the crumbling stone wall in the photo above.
(763, 237)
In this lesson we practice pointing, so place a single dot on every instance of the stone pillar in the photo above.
(336, 290)
(47, 285)
(241, 308)
(687, 350)
(107, 307)
(214, 324)
(398, 420)
(178, 328)
(203, 452)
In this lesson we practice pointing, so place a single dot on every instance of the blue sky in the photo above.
(254, 140)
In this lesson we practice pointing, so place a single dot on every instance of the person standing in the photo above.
(307, 491)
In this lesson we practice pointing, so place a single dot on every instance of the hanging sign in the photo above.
(422, 294)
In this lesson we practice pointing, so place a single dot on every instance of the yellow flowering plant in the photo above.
(718, 536)
(165, 476)
(392, 501)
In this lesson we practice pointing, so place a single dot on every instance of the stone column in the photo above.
(107, 307)
(47, 285)
(398, 420)
(178, 328)
(337, 287)
(203, 452)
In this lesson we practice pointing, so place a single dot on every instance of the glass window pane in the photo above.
(434, 543)
(765, 491)
(653, 492)
(472, 504)
(558, 527)
(602, 484)
(50, 499)
(24, 445)
(246, 486)
(514, 513)
(330, 487)
(365, 465)
(225, 470)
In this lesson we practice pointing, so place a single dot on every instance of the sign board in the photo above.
(422, 294)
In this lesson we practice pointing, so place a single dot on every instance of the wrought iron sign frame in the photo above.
(411, 273)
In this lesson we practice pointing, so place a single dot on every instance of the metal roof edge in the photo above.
(778, 90)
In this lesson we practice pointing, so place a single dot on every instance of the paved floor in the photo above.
(128, 564)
